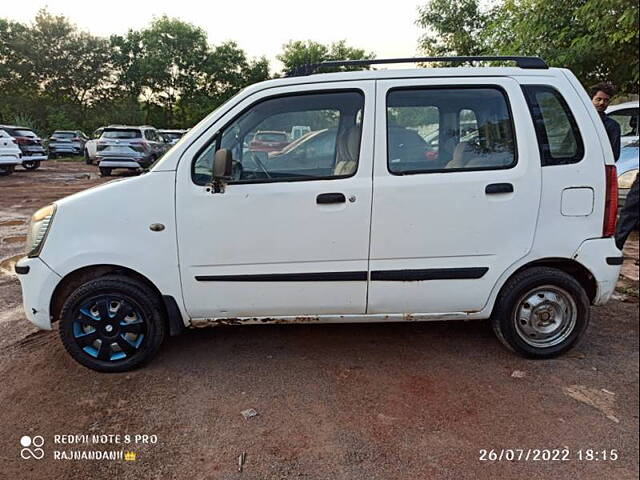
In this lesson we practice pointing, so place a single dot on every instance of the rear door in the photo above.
(456, 192)
(285, 238)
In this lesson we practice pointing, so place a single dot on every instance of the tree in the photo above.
(297, 53)
(596, 39)
(453, 27)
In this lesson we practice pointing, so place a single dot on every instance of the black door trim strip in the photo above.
(289, 277)
(377, 275)
(429, 274)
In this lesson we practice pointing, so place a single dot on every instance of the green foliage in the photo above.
(596, 39)
(166, 74)
(297, 53)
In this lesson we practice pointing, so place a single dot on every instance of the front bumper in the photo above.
(603, 259)
(38, 282)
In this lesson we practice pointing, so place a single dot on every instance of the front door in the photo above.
(289, 236)
(456, 192)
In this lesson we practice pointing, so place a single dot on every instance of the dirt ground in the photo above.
(378, 401)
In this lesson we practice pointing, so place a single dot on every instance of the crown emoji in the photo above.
(129, 456)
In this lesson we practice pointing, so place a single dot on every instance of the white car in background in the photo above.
(626, 114)
(172, 135)
(91, 146)
(10, 154)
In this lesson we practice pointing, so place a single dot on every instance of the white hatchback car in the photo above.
(513, 223)
(10, 154)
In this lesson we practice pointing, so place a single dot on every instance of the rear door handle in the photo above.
(498, 188)
(325, 198)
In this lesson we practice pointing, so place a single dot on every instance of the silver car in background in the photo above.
(128, 147)
(172, 135)
(66, 142)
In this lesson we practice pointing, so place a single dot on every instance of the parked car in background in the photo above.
(10, 154)
(29, 143)
(128, 147)
(66, 142)
(268, 141)
(626, 114)
(627, 167)
(298, 131)
(172, 135)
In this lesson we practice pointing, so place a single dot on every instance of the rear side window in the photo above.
(628, 121)
(448, 129)
(559, 139)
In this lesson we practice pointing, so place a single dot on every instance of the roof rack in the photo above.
(522, 62)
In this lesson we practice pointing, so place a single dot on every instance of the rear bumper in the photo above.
(10, 160)
(40, 157)
(118, 163)
(38, 282)
(603, 259)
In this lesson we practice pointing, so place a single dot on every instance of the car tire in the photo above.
(541, 312)
(87, 159)
(6, 170)
(132, 333)
(31, 164)
(105, 172)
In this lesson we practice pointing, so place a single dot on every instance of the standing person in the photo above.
(629, 215)
(601, 94)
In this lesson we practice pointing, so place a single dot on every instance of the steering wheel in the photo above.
(260, 164)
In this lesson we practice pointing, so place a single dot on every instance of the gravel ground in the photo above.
(377, 401)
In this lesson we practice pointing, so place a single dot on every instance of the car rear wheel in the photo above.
(31, 164)
(87, 159)
(105, 172)
(6, 170)
(112, 324)
(541, 312)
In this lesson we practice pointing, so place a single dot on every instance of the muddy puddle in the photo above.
(11, 223)
(15, 239)
(7, 266)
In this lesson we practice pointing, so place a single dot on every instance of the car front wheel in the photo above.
(541, 312)
(112, 324)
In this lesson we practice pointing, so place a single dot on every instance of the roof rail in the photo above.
(522, 62)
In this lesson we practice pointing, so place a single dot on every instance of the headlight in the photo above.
(38, 229)
(626, 179)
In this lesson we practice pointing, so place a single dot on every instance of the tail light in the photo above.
(75, 139)
(610, 202)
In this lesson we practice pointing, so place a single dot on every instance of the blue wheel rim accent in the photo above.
(109, 328)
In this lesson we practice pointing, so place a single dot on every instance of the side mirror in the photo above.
(222, 170)
(222, 164)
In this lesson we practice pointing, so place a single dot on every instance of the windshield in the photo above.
(63, 134)
(122, 133)
(23, 132)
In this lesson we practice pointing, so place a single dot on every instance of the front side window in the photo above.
(266, 144)
(559, 139)
(628, 121)
(448, 129)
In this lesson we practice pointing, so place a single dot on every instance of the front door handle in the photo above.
(325, 198)
(498, 188)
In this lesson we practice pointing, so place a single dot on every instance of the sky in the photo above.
(259, 27)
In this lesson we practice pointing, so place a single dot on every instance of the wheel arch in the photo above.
(571, 267)
(171, 312)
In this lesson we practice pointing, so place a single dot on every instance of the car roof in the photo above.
(16, 127)
(624, 105)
